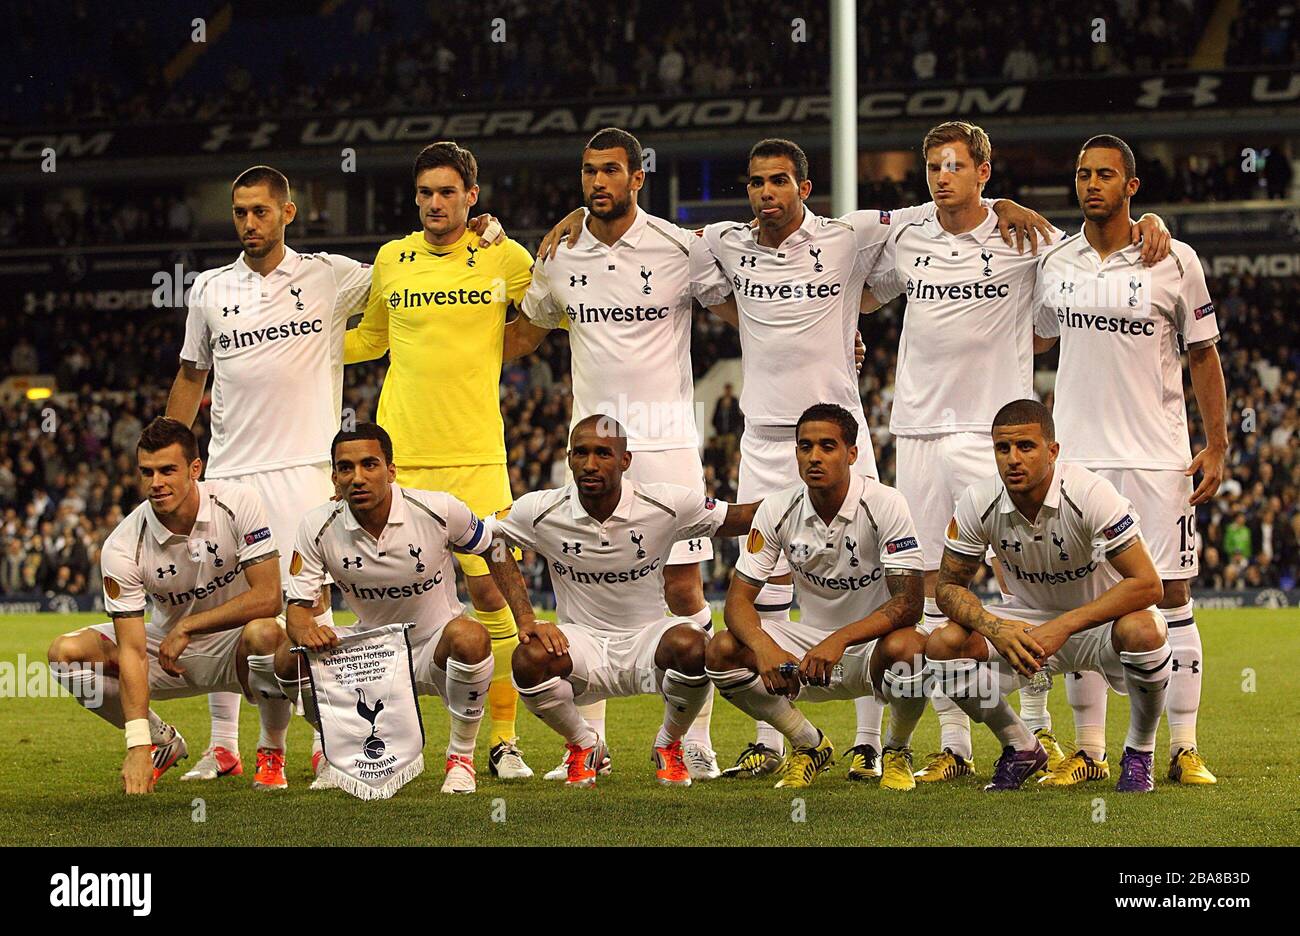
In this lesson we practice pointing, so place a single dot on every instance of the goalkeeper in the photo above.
(437, 305)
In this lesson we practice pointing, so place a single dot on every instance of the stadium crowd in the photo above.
(67, 475)
(409, 54)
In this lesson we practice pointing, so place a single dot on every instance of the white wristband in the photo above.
(137, 732)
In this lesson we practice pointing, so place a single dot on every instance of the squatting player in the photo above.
(965, 349)
(624, 291)
(1120, 411)
(389, 551)
(798, 281)
(438, 307)
(1080, 593)
(850, 541)
(607, 538)
(269, 326)
(203, 553)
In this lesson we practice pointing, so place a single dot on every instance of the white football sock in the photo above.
(467, 691)
(102, 694)
(273, 716)
(552, 702)
(1183, 699)
(954, 726)
(777, 599)
(1146, 675)
(962, 680)
(906, 695)
(1087, 692)
(224, 708)
(594, 714)
(870, 711)
(683, 697)
(1033, 707)
(699, 732)
(744, 689)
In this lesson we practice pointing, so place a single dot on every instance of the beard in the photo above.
(261, 251)
(616, 209)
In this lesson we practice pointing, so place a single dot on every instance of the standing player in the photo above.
(624, 291)
(1120, 412)
(389, 550)
(1079, 595)
(797, 280)
(270, 328)
(199, 551)
(607, 538)
(438, 307)
(966, 348)
(853, 549)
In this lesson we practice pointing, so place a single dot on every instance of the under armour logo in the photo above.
(296, 292)
(170, 570)
(815, 253)
(575, 548)
(1186, 560)
(1060, 545)
(415, 554)
(578, 280)
(1009, 545)
(747, 261)
(694, 546)
(404, 256)
(986, 257)
(469, 262)
(1067, 287)
(921, 261)
(1194, 666)
(348, 563)
(645, 275)
(226, 310)
(800, 551)
(637, 538)
(1134, 284)
(216, 560)
(852, 548)
(1202, 93)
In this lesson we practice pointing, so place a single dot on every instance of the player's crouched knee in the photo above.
(945, 643)
(682, 648)
(61, 650)
(470, 642)
(721, 652)
(530, 663)
(263, 636)
(1141, 630)
(902, 648)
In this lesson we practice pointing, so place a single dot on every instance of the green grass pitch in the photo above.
(59, 782)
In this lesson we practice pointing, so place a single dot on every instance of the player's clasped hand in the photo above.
(1018, 647)
(171, 648)
(1050, 637)
(778, 669)
(551, 637)
(815, 670)
(313, 636)
(137, 771)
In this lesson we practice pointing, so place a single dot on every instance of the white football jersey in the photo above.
(799, 308)
(275, 344)
(610, 576)
(404, 576)
(839, 568)
(967, 344)
(1119, 384)
(1058, 562)
(628, 312)
(181, 574)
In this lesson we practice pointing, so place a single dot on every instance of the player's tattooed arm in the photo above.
(956, 600)
(740, 517)
(1212, 401)
(570, 227)
(510, 582)
(902, 609)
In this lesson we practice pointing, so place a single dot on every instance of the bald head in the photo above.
(598, 427)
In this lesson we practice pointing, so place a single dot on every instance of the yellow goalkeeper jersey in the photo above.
(440, 312)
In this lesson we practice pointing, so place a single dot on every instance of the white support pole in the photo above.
(844, 107)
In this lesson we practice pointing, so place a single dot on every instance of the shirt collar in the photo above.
(160, 533)
(849, 509)
(621, 512)
(287, 266)
(631, 237)
(1132, 253)
(980, 233)
(803, 232)
(1052, 500)
(396, 513)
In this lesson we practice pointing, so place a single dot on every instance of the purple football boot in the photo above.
(1136, 772)
(1014, 767)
